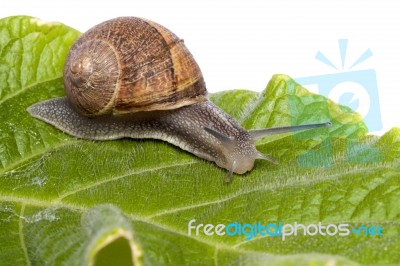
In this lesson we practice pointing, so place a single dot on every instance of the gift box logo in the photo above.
(355, 89)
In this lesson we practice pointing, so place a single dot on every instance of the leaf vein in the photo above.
(21, 235)
(104, 181)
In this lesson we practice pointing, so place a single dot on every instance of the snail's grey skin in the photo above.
(201, 128)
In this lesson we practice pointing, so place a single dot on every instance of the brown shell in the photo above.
(131, 64)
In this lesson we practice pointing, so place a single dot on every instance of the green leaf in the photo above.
(76, 202)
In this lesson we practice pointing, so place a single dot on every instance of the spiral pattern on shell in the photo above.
(128, 65)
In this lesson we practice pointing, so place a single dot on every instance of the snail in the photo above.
(132, 78)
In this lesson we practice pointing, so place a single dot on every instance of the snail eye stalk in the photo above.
(261, 133)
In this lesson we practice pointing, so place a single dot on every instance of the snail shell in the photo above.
(128, 65)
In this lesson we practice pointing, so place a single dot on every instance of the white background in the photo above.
(241, 44)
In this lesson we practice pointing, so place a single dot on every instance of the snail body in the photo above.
(130, 77)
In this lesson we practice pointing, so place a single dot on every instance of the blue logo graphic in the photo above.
(355, 89)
